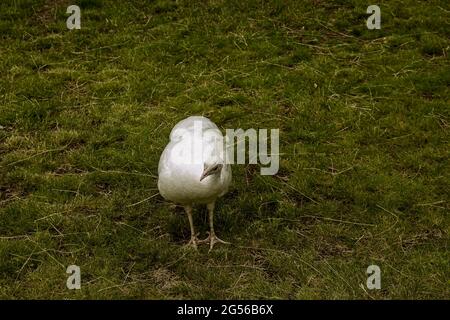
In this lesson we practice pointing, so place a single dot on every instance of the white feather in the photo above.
(179, 181)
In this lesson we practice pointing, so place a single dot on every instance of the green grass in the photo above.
(364, 136)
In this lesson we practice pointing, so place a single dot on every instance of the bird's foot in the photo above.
(193, 242)
(212, 239)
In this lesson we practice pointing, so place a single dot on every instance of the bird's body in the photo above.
(192, 168)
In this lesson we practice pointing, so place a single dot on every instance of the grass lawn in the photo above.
(364, 142)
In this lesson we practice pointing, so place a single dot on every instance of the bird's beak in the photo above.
(209, 171)
(205, 173)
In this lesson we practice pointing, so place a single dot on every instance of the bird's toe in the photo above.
(206, 240)
(215, 239)
(191, 245)
(193, 242)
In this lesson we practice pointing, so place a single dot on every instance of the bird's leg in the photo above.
(212, 238)
(194, 240)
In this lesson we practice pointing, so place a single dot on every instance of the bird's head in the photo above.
(211, 169)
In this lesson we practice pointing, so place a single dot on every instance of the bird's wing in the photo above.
(163, 161)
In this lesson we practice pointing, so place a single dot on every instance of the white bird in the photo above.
(192, 170)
